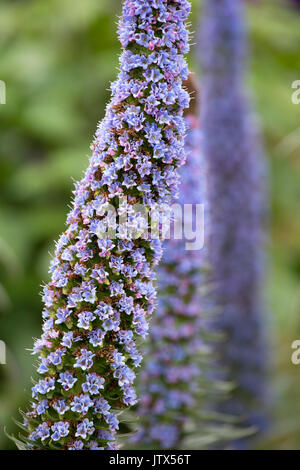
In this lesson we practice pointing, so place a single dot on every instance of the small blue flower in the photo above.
(60, 429)
(81, 404)
(85, 428)
(93, 384)
(60, 406)
(85, 360)
(67, 380)
(84, 319)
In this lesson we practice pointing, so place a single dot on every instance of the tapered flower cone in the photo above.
(101, 290)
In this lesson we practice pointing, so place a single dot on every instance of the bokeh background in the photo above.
(57, 59)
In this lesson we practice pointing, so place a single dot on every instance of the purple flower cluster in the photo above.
(236, 178)
(170, 381)
(101, 289)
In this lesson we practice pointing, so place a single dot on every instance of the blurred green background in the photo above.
(57, 59)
